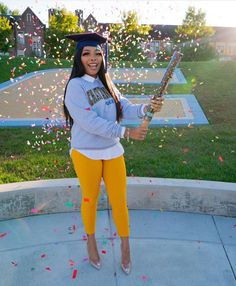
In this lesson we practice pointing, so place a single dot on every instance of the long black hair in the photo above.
(78, 70)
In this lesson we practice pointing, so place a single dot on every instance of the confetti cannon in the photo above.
(175, 59)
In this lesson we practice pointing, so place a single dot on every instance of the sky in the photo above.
(218, 13)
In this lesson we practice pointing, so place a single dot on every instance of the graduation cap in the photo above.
(92, 39)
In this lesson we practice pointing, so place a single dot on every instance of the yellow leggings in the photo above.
(90, 172)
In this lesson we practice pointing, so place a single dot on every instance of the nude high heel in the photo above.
(126, 268)
(96, 265)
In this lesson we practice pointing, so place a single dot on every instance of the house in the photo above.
(224, 41)
(28, 33)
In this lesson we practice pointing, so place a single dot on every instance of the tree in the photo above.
(60, 24)
(15, 12)
(128, 37)
(193, 36)
(6, 40)
(6, 32)
(4, 10)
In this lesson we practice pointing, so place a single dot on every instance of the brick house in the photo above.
(224, 39)
(28, 33)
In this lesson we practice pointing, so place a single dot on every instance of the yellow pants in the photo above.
(90, 172)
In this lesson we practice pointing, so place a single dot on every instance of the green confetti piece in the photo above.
(69, 204)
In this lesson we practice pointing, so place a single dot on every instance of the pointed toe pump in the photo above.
(96, 265)
(126, 269)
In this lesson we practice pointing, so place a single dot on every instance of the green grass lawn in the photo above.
(13, 67)
(206, 152)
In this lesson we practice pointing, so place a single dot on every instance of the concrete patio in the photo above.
(46, 244)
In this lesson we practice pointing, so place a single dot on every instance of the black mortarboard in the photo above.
(87, 39)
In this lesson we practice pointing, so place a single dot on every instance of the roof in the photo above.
(17, 18)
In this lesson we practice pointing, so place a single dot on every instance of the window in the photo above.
(21, 38)
(37, 46)
(28, 17)
(220, 49)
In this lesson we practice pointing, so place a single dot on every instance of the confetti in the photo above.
(74, 274)
(72, 229)
(185, 150)
(86, 200)
(104, 252)
(48, 269)
(144, 278)
(69, 204)
(220, 158)
(3, 234)
(35, 211)
(72, 262)
(14, 263)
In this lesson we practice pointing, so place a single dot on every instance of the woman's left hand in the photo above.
(157, 103)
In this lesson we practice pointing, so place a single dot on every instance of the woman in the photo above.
(94, 108)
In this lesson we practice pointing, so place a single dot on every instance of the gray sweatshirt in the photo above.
(94, 113)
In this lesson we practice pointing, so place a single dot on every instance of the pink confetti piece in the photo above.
(44, 108)
(35, 211)
(48, 269)
(104, 252)
(88, 108)
(74, 274)
(43, 255)
(3, 234)
(72, 262)
(234, 225)
(220, 158)
(144, 277)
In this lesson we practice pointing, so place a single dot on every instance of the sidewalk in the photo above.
(168, 249)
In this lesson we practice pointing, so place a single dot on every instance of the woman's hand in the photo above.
(138, 133)
(156, 104)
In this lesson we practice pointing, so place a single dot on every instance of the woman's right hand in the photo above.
(137, 133)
